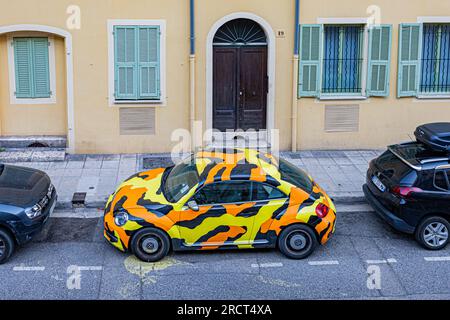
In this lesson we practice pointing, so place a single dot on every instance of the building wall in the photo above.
(280, 15)
(383, 121)
(97, 130)
(33, 119)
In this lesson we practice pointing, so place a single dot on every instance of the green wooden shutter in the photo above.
(149, 62)
(408, 60)
(310, 60)
(41, 73)
(125, 61)
(23, 68)
(379, 60)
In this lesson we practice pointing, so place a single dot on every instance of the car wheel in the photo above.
(150, 244)
(297, 241)
(6, 246)
(433, 233)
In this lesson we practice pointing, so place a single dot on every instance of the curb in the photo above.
(341, 199)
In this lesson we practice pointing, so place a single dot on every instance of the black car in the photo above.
(27, 198)
(409, 187)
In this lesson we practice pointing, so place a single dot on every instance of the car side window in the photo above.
(224, 192)
(441, 180)
(263, 191)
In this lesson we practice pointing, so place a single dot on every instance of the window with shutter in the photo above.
(137, 62)
(31, 58)
(379, 60)
(334, 62)
(409, 57)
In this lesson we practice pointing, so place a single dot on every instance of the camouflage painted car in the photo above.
(220, 199)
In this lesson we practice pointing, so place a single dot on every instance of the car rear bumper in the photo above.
(396, 222)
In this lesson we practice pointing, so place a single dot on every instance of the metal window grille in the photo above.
(435, 75)
(342, 61)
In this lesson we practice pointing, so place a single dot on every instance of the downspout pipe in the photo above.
(295, 65)
(192, 25)
(192, 74)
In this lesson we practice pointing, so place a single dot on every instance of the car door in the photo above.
(440, 202)
(435, 197)
(225, 215)
(270, 202)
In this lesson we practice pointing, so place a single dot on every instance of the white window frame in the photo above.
(111, 68)
(365, 53)
(12, 69)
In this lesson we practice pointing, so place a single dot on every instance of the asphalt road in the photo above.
(366, 259)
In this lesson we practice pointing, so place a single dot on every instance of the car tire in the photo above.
(6, 245)
(433, 233)
(150, 244)
(297, 241)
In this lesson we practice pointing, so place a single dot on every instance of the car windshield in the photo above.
(295, 176)
(181, 178)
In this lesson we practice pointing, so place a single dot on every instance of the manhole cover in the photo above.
(156, 162)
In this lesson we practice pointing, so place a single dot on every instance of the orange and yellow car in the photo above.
(220, 199)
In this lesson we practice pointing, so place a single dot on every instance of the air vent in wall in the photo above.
(137, 121)
(342, 118)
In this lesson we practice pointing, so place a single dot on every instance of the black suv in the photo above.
(409, 187)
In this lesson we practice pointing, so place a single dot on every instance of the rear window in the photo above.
(295, 176)
(395, 169)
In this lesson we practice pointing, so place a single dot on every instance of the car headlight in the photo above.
(33, 212)
(120, 218)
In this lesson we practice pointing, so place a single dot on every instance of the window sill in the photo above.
(139, 102)
(51, 100)
(343, 97)
(435, 96)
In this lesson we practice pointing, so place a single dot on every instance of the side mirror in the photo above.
(193, 205)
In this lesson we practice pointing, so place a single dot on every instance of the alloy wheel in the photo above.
(435, 234)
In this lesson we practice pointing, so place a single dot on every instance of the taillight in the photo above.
(322, 210)
(405, 192)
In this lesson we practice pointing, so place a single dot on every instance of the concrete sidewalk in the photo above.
(340, 173)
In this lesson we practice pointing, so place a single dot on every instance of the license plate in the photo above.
(378, 184)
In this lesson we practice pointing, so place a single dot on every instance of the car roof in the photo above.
(418, 156)
(222, 164)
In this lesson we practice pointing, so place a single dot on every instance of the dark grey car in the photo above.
(27, 198)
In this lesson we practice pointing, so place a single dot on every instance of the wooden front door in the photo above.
(240, 88)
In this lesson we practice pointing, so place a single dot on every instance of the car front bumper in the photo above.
(26, 231)
(396, 222)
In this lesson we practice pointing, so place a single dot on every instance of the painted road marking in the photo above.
(91, 268)
(437, 259)
(384, 261)
(23, 268)
(323, 263)
(267, 265)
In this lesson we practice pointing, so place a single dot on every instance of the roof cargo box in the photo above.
(435, 136)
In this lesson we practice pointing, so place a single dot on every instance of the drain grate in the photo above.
(78, 199)
(156, 162)
(38, 145)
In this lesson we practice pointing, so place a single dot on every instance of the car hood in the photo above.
(22, 187)
(143, 189)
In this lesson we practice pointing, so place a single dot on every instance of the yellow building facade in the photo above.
(121, 76)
